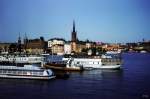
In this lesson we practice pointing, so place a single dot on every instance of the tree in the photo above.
(12, 48)
(42, 38)
(84, 50)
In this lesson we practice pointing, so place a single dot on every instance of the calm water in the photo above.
(132, 82)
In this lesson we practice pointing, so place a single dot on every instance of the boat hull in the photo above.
(64, 68)
(26, 77)
(107, 67)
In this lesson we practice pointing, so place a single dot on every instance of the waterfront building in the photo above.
(67, 48)
(111, 47)
(56, 45)
(80, 45)
(36, 46)
(91, 44)
(4, 47)
(88, 44)
(11, 47)
(145, 45)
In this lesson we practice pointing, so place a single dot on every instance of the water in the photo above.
(132, 82)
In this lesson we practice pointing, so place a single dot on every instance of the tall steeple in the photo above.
(74, 39)
(74, 29)
(74, 34)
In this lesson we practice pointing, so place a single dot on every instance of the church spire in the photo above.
(74, 34)
(74, 29)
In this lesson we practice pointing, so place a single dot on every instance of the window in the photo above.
(4, 71)
(9, 72)
(24, 73)
(34, 73)
(90, 62)
(95, 62)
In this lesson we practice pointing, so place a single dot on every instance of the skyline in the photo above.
(110, 21)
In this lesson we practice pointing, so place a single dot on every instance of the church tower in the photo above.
(74, 33)
(74, 39)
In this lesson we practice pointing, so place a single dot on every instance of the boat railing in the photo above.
(21, 68)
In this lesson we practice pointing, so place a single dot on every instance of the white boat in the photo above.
(28, 72)
(106, 62)
(21, 59)
(29, 67)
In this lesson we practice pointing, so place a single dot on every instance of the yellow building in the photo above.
(35, 46)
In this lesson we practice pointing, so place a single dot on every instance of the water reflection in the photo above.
(112, 73)
(61, 74)
(97, 74)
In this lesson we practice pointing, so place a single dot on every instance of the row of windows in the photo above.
(111, 60)
(20, 72)
(87, 62)
(21, 59)
(13, 59)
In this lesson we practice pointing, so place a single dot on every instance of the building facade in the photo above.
(56, 46)
(4, 47)
(67, 48)
(35, 46)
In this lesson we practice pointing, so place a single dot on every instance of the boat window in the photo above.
(14, 72)
(40, 73)
(90, 62)
(24, 72)
(34, 73)
(95, 62)
(19, 72)
(9, 71)
(4, 71)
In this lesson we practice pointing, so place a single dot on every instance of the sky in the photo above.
(111, 21)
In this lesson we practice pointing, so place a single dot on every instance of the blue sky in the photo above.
(98, 20)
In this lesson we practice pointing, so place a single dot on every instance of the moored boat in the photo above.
(29, 67)
(103, 62)
(63, 66)
(28, 72)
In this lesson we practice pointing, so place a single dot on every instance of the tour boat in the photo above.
(19, 66)
(103, 62)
